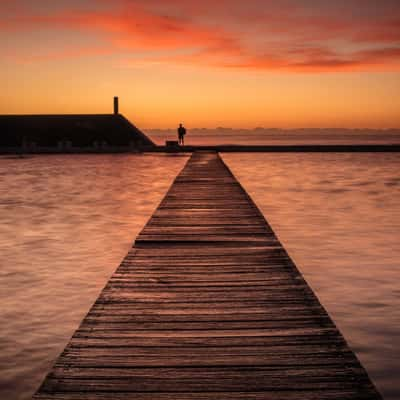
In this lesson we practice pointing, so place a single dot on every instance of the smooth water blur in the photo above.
(338, 215)
(262, 136)
(66, 222)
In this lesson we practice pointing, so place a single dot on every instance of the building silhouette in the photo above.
(59, 133)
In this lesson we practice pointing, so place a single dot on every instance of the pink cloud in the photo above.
(254, 34)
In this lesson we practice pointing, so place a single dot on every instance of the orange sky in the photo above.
(288, 63)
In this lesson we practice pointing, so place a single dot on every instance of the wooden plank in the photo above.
(207, 305)
(322, 394)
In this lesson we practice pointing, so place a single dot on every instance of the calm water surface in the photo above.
(67, 221)
(338, 215)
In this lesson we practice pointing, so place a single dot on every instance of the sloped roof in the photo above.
(80, 130)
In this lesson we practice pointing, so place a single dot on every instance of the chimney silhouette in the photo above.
(116, 105)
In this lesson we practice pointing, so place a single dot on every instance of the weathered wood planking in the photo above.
(207, 305)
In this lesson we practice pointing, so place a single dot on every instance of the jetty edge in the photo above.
(281, 148)
(207, 304)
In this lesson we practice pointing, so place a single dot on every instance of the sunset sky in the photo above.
(286, 63)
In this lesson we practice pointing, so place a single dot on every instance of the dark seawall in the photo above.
(312, 148)
(381, 148)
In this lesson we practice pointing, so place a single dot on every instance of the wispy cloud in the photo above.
(294, 36)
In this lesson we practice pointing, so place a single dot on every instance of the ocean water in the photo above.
(338, 215)
(67, 221)
(263, 136)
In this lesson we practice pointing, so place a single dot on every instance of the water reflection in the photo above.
(338, 215)
(65, 224)
(67, 221)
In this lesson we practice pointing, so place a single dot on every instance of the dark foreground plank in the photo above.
(207, 305)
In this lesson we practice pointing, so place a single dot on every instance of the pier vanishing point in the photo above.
(207, 305)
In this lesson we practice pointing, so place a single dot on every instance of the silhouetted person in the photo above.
(181, 134)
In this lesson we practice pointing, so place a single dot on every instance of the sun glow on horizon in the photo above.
(260, 64)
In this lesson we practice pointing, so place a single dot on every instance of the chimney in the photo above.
(116, 106)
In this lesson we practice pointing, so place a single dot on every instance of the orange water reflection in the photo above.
(66, 223)
(338, 215)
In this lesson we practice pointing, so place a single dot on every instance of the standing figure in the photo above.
(181, 134)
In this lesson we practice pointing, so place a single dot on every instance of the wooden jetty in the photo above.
(207, 305)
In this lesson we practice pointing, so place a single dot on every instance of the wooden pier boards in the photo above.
(207, 305)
